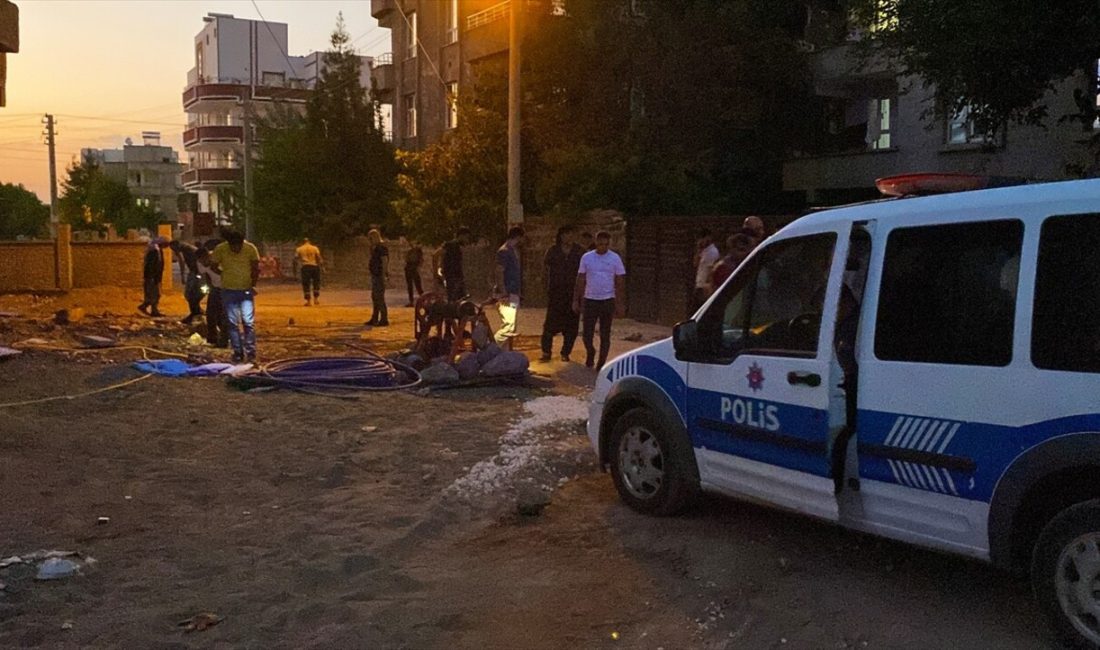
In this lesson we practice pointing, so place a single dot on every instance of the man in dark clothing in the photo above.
(448, 265)
(560, 273)
(217, 320)
(413, 259)
(379, 277)
(187, 257)
(152, 272)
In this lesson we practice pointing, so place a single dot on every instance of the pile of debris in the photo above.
(485, 362)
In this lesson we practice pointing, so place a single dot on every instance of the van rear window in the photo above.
(1065, 325)
(948, 293)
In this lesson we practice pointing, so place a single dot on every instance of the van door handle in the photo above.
(811, 379)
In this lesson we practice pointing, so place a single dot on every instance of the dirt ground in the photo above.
(472, 518)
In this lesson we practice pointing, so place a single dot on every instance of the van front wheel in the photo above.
(651, 470)
(1065, 573)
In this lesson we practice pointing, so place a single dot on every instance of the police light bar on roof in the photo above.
(940, 183)
(920, 184)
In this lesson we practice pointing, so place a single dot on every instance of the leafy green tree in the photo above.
(461, 180)
(998, 58)
(90, 200)
(21, 213)
(618, 121)
(328, 174)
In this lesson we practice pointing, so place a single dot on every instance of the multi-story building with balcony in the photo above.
(867, 121)
(150, 170)
(241, 68)
(437, 46)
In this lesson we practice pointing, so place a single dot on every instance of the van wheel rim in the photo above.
(1078, 585)
(641, 462)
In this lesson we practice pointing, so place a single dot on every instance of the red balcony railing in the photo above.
(239, 92)
(211, 176)
(204, 134)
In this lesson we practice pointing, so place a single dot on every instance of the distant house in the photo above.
(867, 123)
(240, 65)
(150, 170)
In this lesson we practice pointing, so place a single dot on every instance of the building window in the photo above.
(637, 8)
(452, 22)
(200, 63)
(452, 104)
(557, 8)
(410, 116)
(948, 294)
(961, 129)
(411, 43)
(275, 79)
(879, 123)
(1064, 330)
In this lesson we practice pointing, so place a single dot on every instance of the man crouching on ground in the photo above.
(239, 264)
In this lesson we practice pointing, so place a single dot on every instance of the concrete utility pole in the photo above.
(515, 36)
(48, 121)
(249, 233)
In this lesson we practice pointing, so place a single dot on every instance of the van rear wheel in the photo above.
(1065, 573)
(650, 467)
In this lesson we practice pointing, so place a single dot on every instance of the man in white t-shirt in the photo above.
(599, 296)
(706, 256)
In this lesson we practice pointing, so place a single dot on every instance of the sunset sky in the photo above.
(108, 69)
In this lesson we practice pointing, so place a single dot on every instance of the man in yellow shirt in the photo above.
(310, 262)
(238, 261)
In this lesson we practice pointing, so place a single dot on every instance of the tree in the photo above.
(618, 122)
(90, 200)
(329, 175)
(998, 59)
(21, 213)
(461, 180)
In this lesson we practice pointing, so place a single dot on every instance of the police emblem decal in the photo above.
(755, 377)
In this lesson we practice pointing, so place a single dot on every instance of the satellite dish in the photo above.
(129, 142)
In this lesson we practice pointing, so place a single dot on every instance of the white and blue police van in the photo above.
(923, 368)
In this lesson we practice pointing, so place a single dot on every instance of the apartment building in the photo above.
(241, 66)
(9, 42)
(437, 47)
(869, 122)
(150, 170)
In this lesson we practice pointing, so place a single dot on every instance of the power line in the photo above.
(120, 120)
(277, 43)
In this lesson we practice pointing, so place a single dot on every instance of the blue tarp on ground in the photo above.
(178, 368)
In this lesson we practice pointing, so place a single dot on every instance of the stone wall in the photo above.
(109, 263)
(61, 264)
(28, 266)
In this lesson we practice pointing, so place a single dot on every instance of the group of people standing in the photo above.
(224, 271)
(712, 268)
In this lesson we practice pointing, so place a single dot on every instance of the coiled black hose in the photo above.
(341, 373)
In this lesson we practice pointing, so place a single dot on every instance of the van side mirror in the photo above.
(685, 340)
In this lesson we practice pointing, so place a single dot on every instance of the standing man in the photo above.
(754, 227)
(600, 284)
(448, 265)
(511, 283)
(238, 261)
(560, 272)
(187, 256)
(706, 256)
(413, 259)
(310, 263)
(738, 245)
(217, 323)
(152, 272)
(379, 278)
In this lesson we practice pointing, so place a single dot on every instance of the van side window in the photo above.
(1065, 321)
(948, 294)
(774, 302)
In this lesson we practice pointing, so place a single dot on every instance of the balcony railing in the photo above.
(488, 15)
(211, 176)
(385, 58)
(239, 90)
(203, 134)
